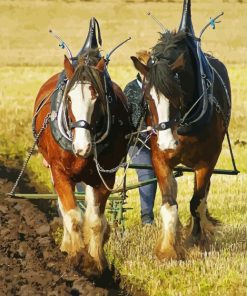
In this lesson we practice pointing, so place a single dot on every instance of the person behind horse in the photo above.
(133, 92)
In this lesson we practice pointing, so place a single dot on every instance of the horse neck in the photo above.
(188, 82)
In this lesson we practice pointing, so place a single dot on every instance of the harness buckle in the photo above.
(80, 124)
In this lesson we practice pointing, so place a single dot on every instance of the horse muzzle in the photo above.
(167, 145)
(82, 151)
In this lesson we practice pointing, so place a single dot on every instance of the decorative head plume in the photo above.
(186, 23)
(91, 40)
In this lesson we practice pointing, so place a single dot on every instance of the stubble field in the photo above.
(29, 56)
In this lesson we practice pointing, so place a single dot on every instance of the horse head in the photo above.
(168, 74)
(84, 97)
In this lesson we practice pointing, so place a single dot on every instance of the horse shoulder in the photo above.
(46, 89)
(120, 95)
(220, 67)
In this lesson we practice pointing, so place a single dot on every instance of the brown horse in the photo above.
(88, 110)
(187, 132)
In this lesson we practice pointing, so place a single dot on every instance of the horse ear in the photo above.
(68, 67)
(101, 65)
(140, 67)
(178, 64)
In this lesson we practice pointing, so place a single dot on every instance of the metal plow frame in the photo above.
(117, 200)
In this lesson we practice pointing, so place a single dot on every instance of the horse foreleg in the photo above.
(202, 226)
(95, 226)
(72, 242)
(168, 244)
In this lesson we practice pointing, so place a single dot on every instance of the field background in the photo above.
(29, 55)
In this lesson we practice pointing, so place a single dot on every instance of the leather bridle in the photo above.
(162, 126)
(101, 135)
(80, 123)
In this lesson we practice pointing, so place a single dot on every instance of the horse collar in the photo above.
(61, 125)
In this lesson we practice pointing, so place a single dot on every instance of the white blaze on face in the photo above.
(82, 106)
(166, 139)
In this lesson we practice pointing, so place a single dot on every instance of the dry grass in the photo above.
(29, 56)
(222, 271)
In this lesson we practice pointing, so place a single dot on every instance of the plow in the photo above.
(117, 201)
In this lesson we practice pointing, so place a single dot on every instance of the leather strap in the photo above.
(162, 126)
(80, 124)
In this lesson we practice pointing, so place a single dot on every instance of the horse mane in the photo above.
(86, 71)
(161, 65)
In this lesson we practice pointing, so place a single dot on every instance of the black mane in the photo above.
(169, 47)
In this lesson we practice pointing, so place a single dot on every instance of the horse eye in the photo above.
(69, 99)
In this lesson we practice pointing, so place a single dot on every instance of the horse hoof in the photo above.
(71, 252)
(191, 241)
(167, 254)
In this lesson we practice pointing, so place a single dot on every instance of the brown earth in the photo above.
(30, 261)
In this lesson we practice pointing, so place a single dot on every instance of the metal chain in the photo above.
(125, 165)
(44, 126)
(40, 106)
(122, 164)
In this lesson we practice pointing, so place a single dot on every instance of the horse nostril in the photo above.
(88, 148)
(79, 152)
(82, 151)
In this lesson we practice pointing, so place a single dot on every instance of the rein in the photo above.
(108, 100)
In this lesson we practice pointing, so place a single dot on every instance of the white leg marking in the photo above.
(202, 209)
(95, 226)
(66, 241)
(72, 236)
(72, 218)
(169, 216)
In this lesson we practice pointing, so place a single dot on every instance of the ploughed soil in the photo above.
(30, 261)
